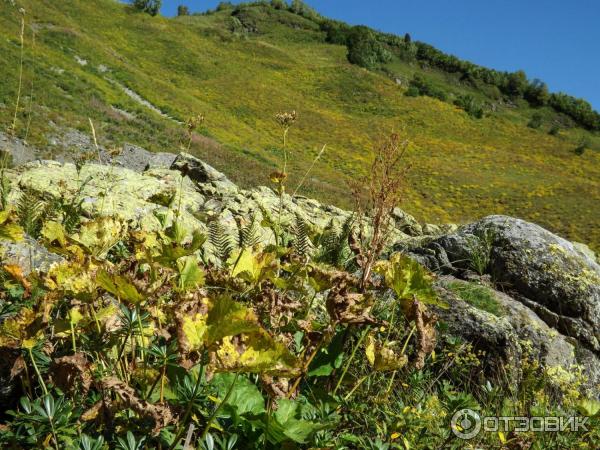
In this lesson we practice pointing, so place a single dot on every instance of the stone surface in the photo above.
(518, 334)
(28, 255)
(543, 271)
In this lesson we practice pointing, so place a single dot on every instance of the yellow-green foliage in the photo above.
(463, 167)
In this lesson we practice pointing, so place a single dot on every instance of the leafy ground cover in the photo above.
(85, 53)
(174, 339)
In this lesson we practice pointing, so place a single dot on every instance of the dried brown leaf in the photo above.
(344, 306)
(161, 415)
(425, 324)
(71, 373)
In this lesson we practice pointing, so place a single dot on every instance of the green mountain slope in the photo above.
(139, 77)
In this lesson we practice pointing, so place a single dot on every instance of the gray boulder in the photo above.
(28, 254)
(515, 334)
(545, 272)
(139, 159)
(202, 173)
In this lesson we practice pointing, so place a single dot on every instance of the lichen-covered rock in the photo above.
(517, 334)
(545, 272)
(139, 159)
(28, 255)
(201, 172)
(406, 223)
(135, 198)
(492, 334)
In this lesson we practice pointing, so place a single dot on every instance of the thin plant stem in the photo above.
(95, 139)
(390, 383)
(219, 406)
(309, 170)
(30, 108)
(362, 337)
(73, 336)
(188, 409)
(37, 371)
(18, 101)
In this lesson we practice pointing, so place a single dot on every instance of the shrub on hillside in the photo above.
(279, 4)
(425, 87)
(222, 6)
(470, 105)
(151, 7)
(335, 32)
(516, 83)
(364, 49)
(583, 145)
(536, 121)
(537, 93)
(554, 130)
(576, 108)
(183, 10)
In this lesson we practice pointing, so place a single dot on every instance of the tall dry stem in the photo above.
(13, 126)
(376, 195)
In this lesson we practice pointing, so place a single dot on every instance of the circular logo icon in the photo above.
(466, 423)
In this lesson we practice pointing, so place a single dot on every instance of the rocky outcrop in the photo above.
(551, 287)
(147, 190)
(545, 272)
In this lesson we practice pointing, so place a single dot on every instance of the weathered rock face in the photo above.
(545, 272)
(554, 288)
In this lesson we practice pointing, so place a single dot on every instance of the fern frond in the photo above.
(249, 234)
(300, 231)
(220, 240)
(31, 211)
(333, 243)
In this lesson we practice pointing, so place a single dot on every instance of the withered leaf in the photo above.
(71, 373)
(161, 415)
(344, 306)
(425, 324)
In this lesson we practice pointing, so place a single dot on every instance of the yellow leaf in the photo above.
(370, 350)
(53, 232)
(100, 235)
(194, 328)
(502, 437)
(28, 344)
(70, 277)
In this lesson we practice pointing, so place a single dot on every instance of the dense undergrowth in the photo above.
(79, 55)
(175, 338)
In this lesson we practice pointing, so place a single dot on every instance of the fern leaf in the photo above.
(220, 240)
(30, 211)
(302, 243)
(249, 234)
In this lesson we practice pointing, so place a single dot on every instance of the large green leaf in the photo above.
(407, 278)
(287, 423)
(191, 275)
(119, 286)
(330, 358)
(171, 251)
(245, 397)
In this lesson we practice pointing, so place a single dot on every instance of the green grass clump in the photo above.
(479, 296)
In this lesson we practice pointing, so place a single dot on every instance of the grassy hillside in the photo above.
(86, 52)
